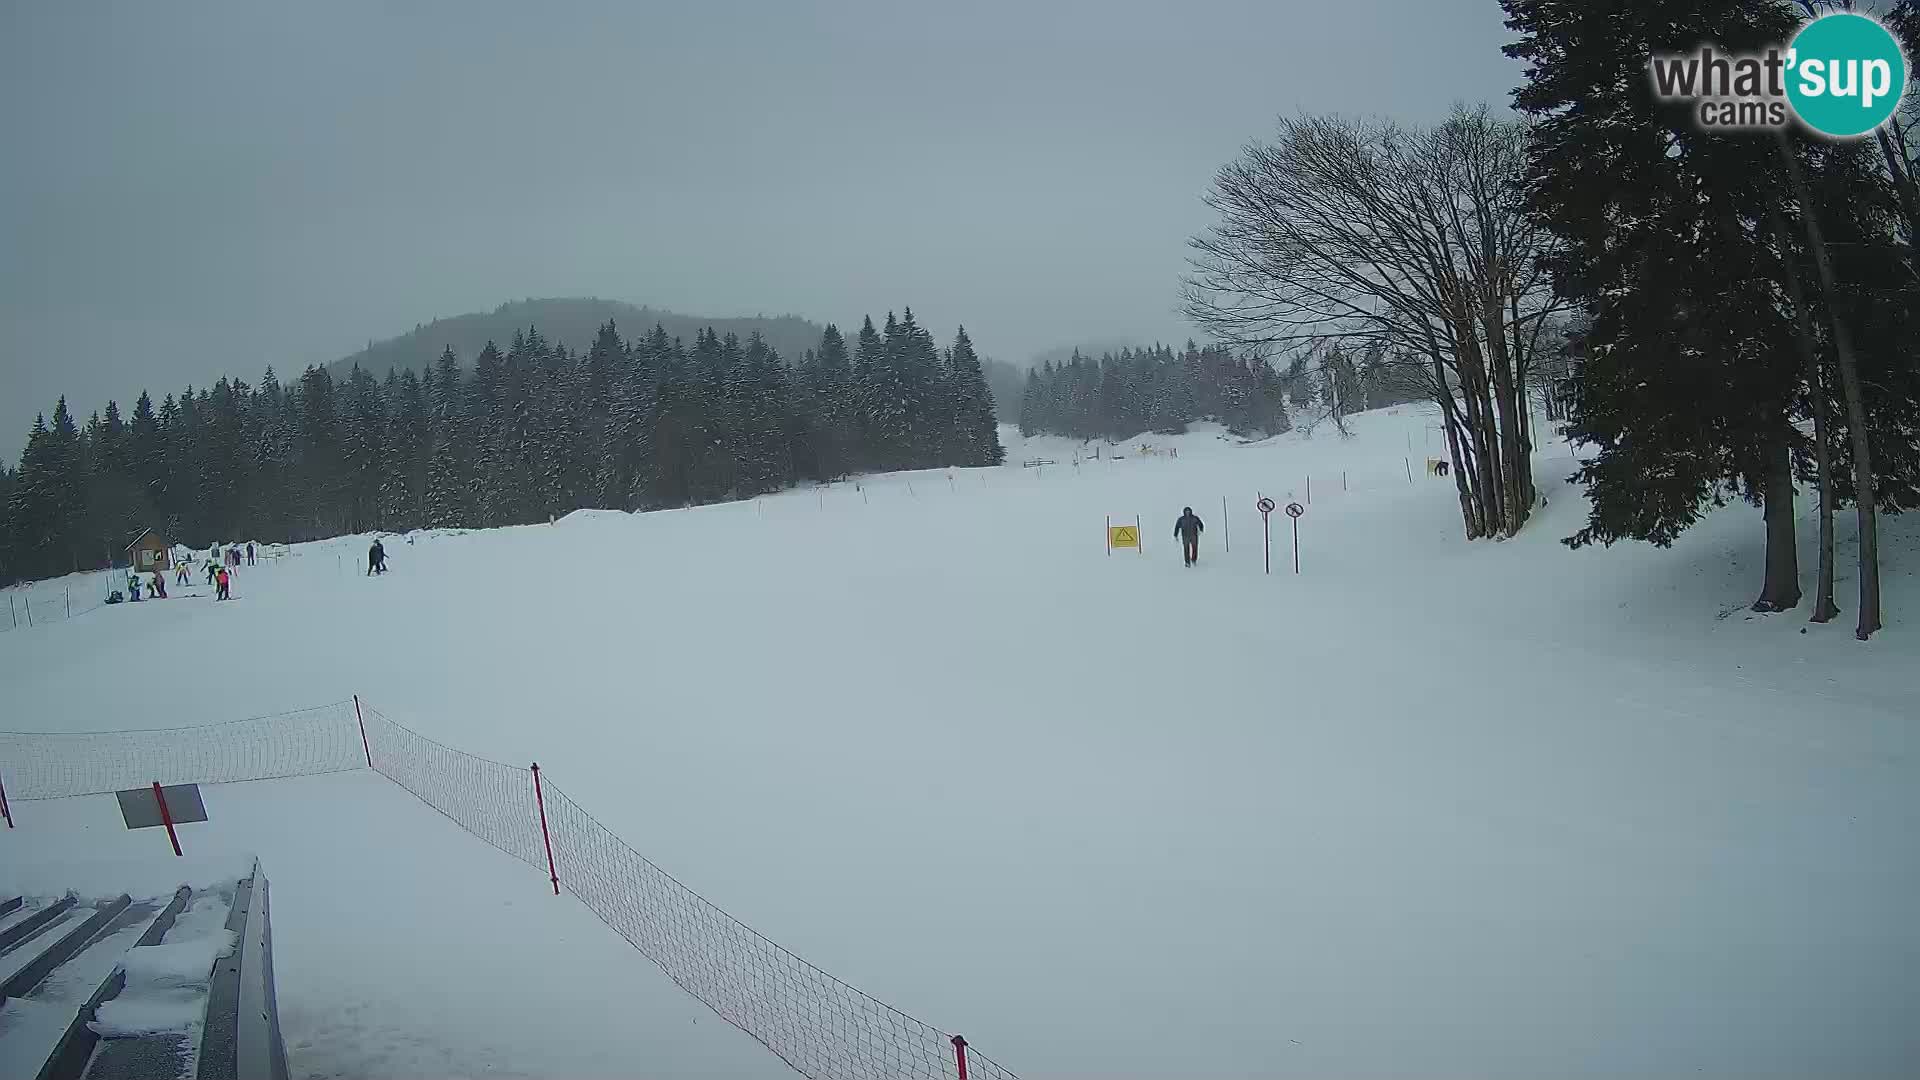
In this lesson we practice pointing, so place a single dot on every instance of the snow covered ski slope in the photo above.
(1429, 808)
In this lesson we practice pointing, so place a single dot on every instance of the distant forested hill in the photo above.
(571, 320)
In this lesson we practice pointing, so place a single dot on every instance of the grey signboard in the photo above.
(142, 811)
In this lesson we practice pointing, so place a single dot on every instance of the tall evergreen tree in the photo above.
(974, 433)
(1692, 378)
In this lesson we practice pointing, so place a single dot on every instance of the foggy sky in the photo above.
(196, 188)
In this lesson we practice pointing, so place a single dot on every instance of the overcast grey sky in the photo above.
(195, 188)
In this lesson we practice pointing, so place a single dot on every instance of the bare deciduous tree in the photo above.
(1414, 240)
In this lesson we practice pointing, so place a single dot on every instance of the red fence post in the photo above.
(541, 800)
(4, 812)
(364, 748)
(166, 816)
(960, 1054)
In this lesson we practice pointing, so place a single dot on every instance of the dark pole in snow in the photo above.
(364, 748)
(166, 816)
(541, 799)
(1296, 545)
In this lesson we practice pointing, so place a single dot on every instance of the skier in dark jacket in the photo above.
(376, 559)
(1188, 529)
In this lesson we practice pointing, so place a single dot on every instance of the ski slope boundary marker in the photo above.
(819, 1025)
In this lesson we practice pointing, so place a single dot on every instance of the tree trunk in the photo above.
(1863, 478)
(1470, 513)
(1824, 608)
(1470, 508)
(1781, 589)
(1479, 426)
(1515, 499)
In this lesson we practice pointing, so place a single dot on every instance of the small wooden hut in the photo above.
(149, 552)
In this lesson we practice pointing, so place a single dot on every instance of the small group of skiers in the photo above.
(156, 586)
(376, 558)
(235, 555)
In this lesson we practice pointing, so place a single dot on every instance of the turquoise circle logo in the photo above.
(1847, 75)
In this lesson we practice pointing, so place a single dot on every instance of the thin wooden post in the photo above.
(540, 798)
(364, 747)
(1226, 530)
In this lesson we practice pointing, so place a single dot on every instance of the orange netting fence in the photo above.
(819, 1025)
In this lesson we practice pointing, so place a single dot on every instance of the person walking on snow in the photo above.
(180, 573)
(376, 559)
(249, 553)
(221, 583)
(1187, 530)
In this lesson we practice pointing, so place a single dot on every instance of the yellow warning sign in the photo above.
(1119, 536)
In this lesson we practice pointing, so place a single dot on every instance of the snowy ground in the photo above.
(1430, 808)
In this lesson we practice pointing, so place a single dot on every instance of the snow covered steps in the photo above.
(122, 990)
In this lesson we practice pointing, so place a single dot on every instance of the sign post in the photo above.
(1294, 510)
(1123, 536)
(1265, 506)
(153, 805)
